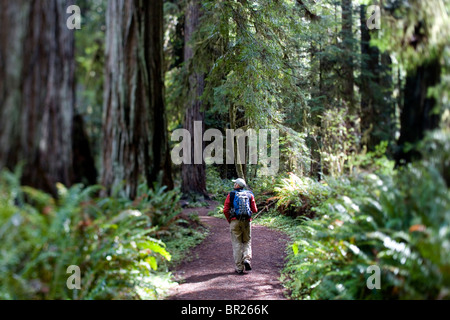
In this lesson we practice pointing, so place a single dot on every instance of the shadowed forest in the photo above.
(121, 121)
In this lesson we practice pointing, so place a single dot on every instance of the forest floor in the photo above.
(208, 272)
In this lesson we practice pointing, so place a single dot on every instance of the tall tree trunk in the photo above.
(386, 128)
(417, 117)
(135, 138)
(376, 90)
(193, 175)
(37, 91)
(347, 77)
(84, 168)
(319, 96)
(233, 126)
(316, 111)
(418, 114)
(370, 76)
(160, 161)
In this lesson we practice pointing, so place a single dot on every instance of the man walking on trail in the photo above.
(238, 209)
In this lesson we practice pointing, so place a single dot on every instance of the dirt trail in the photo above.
(209, 274)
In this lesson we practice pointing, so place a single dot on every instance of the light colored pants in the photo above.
(241, 240)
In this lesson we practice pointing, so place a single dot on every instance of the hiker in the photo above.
(238, 208)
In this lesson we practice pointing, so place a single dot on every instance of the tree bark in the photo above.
(370, 77)
(418, 114)
(347, 77)
(135, 138)
(160, 160)
(37, 91)
(386, 115)
(317, 108)
(193, 175)
(417, 117)
(376, 90)
(320, 96)
(84, 168)
(233, 126)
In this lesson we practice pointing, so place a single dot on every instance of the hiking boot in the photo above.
(247, 265)
(239, 271)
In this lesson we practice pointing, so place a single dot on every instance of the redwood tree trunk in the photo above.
(135, 138)
(37, 91)
(193, 175)
(417, 115)
(370, 77)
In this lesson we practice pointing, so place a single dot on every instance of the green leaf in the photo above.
(155, 247)
(152, 262)
(295, 248)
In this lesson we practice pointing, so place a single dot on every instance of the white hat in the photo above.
(240, 182)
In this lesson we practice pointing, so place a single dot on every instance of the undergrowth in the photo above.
(396, 220)
(123, 248)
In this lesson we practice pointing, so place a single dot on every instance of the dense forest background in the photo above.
(361, 103)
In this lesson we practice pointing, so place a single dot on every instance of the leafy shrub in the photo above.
(436, 151)
(264, 184)
(161, 205)
(398, 222)
(217, 187)
(297, 196)
(110, 240)
(374, 161)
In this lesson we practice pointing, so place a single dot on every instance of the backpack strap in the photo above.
(232, 195)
